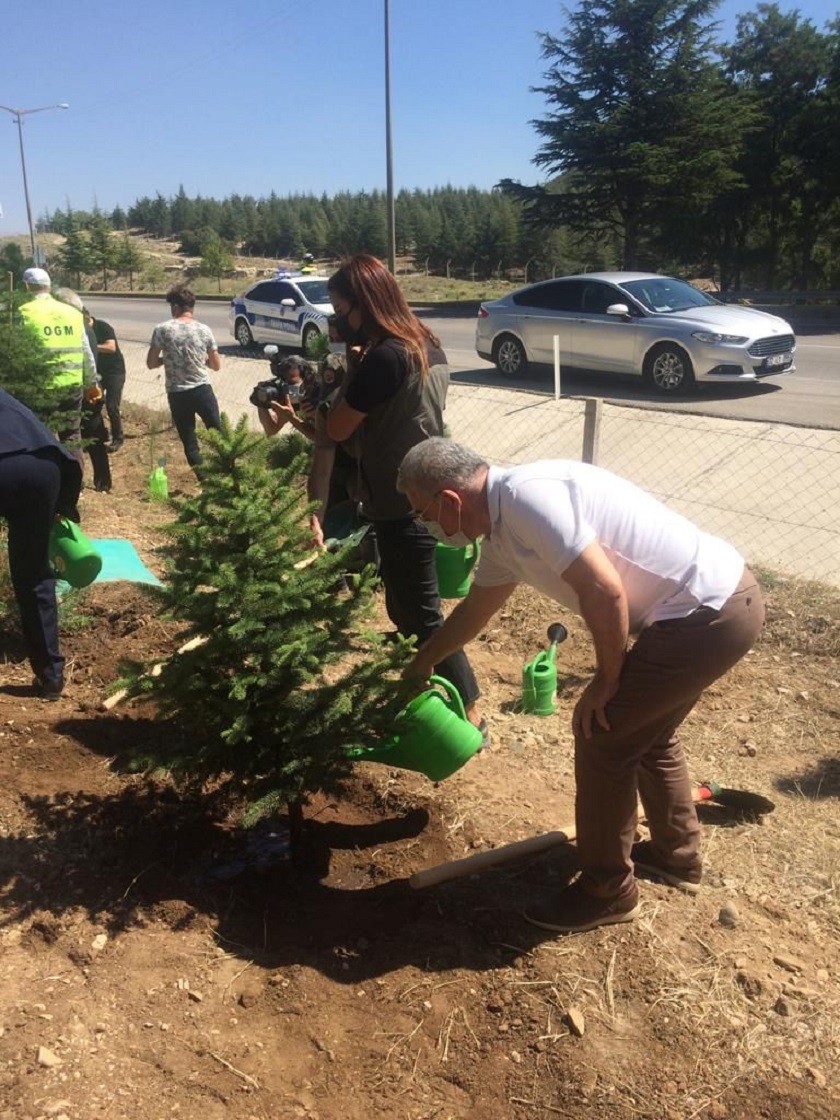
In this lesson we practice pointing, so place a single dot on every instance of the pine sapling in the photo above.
(288, 675)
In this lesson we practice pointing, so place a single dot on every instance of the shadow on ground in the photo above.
(152, 853)
(822, 780)
(614, 388)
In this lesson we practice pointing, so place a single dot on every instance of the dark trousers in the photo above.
(669, 666)
(95, 435)
(112, 386)
(70, 432)
(185, 406)
(29, 487)
(407, 568)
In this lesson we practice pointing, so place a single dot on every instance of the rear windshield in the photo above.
(662, 294)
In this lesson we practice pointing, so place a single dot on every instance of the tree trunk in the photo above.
(296, 823)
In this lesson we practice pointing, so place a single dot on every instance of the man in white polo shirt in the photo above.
(628, 566)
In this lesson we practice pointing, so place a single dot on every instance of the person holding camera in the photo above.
(287, 396)
(393, 401)
(187, 350)
(333, 473)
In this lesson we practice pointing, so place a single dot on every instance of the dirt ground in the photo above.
(156, 961)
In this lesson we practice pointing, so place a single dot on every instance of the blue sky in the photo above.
(273, 94)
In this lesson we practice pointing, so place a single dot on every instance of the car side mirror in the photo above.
(287, 302)
(618, 309)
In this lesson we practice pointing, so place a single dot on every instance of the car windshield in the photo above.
(663, 294)
(315, 291)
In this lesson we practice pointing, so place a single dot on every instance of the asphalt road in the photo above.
(809, 397)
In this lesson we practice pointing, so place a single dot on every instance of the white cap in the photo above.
(39, 277)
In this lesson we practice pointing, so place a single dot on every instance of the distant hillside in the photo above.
(163, 264)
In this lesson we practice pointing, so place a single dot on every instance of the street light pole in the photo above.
(389, 167)
(18, 115)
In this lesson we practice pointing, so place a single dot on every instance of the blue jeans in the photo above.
(185, 406)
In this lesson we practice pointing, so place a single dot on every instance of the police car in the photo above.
(289, 310)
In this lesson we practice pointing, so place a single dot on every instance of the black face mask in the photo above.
(348, 334)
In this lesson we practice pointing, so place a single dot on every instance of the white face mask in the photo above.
(458, 539)
(454, 540)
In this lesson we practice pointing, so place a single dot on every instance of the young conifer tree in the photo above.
(287, 677)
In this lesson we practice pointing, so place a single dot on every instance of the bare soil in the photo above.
(156, 961)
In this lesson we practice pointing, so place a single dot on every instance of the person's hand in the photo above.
(417, 672)
(284, 412)
(273, 418)
(354, 357)
(317, 532)
(592, 706)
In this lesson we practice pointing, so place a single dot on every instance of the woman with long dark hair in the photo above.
(395, 400)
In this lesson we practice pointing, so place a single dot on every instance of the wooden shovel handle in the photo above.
(155, 671)
(457, 868)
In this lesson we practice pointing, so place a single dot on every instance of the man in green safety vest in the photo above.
(61, 330)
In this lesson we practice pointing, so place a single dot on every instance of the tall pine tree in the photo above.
(639, 125)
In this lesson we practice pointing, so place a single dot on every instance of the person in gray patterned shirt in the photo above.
(187, 350)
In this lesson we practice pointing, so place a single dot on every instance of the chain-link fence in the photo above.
(773, 490)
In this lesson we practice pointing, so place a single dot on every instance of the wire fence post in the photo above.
(591, 430)
(557, 367)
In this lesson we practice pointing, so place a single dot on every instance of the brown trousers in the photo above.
(665, 672)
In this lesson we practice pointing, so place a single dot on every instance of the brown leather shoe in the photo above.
(648, 860)
(573, 910)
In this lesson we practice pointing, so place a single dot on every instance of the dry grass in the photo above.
(803, 616)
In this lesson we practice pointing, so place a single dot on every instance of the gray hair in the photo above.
(438, 464)
(67, 295)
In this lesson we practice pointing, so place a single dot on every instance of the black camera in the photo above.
(265, 393)
(290, 379)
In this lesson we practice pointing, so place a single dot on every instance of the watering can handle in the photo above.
(476, 553)
(453, 693)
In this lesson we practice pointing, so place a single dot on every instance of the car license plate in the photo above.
(777, 360)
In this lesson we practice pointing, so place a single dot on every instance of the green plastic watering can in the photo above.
(72, 555)
(432, 735)
(539, 677)
(454, 568)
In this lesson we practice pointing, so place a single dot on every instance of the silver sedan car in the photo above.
(661, 329)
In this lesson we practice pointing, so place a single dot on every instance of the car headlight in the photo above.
(714, 339)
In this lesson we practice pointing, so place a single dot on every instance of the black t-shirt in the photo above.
(108, 363)
(382, 372)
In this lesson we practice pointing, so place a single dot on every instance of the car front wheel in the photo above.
(510, 357)
(309, 332)
(243, 333)
(668, 370)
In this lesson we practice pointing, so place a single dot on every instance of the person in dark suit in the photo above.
(39, 479)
